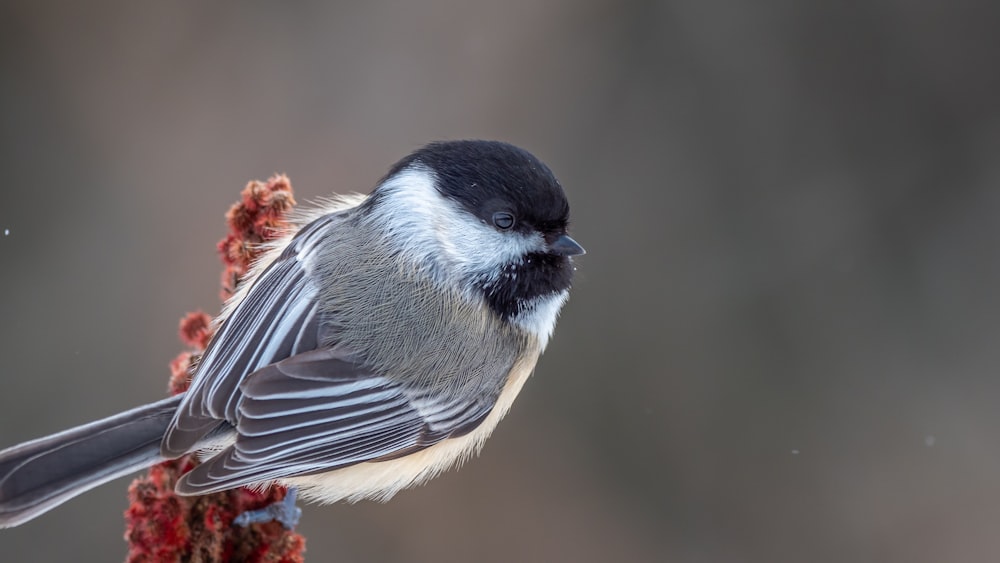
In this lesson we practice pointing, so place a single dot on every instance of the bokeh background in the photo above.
(783, 344)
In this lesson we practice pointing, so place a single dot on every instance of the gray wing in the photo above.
(278, 318)
(319, 411)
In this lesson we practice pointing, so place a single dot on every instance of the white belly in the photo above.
(381, 480)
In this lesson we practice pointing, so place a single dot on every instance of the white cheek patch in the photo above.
(435, 230)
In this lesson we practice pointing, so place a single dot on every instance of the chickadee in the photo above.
(374, 348)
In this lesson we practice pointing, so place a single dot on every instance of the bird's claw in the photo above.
(284, 511)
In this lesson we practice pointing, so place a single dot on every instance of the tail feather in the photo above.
(39, 475)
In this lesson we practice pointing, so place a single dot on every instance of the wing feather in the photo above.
(319, 411)
(277, 318)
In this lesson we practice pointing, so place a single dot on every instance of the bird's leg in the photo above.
(283, 511)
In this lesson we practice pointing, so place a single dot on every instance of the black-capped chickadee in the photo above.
(375, 347)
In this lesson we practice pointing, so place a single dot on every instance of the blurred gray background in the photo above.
(783, 344)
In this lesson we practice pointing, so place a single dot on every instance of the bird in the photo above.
(373, 347)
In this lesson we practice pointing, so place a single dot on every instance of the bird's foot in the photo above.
(283, 511)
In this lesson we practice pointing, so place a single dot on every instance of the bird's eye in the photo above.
(503, 220)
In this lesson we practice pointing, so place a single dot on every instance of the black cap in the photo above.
(486, 177)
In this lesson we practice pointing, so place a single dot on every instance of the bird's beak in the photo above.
(565, 246)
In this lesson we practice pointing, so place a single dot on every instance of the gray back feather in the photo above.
(409, 327)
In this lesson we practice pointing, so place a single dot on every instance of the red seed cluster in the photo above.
(180, 372)
(259, 216)
(162, 526)
(196, 329)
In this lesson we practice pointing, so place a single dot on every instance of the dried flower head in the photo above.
(162, 526)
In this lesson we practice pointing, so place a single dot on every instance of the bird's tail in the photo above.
(39, 475)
